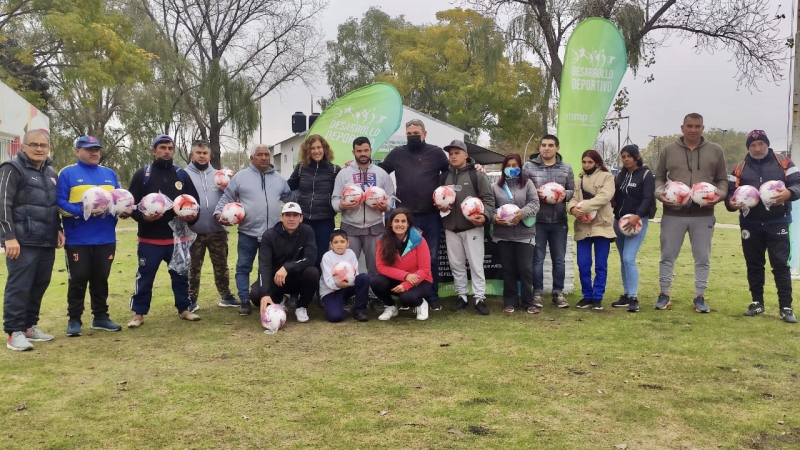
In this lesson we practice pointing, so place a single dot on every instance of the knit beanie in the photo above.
(757, 135)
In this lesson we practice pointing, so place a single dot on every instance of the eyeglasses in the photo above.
(34, 145)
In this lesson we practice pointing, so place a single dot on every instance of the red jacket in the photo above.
(415, 259)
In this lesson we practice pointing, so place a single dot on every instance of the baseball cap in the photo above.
(162, 138)
(87, 142)
(456, 144)
(291, 207)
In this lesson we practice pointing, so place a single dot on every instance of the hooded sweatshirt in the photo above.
(208, 196)
(705, 163)
(635, 192)
(540, 174)
(364, 216)
(455, 221)
(260, 195)
(417, 174)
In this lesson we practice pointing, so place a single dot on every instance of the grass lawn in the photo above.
(563, 379)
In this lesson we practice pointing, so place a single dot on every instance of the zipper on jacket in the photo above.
(205, 186)
(313, 188)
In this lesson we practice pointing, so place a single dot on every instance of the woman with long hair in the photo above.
(515, 236)
(314, 178)
(635, 195)
(594, 226)
(404, 267)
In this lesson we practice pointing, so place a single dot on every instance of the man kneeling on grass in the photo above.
(333, 290)
(286, 261)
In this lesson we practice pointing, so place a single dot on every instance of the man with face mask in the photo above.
(156, 239)
(417, 167)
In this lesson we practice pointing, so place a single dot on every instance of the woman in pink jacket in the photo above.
(404, 267)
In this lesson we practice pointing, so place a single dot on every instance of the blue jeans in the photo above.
(334, 302)
(322, 233)
(554, 234)
(431, 226)
(28, 279)
(246, 248)
(602, 245)
(628, 247)
(150, 257)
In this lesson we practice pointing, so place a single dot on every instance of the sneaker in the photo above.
(538, 300)
(787, 314)
(558, 299)
(754, 309)
(481, 307)
(377, 304)
(291, 302)
(662, 302)
(103, 324)
(584, 303)
(190, 316)
(597, 305)
(73, 328)
(301, 314)
(460, 303)
(623, 301)
(194, 306)
(34, 334)
(18, 342)
(508, 309)
(700, 304)
(388, 313)
(633, 304)
(403, 308)
(350, 303)
(229, 301)
(422, 310)
(360, 316)
(432, 304)
(533, 310)
(244, 308)
(136, 322)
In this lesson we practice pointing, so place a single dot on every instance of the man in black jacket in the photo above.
(156, 241)
(766, 229)
(30, 230)
(286, 263)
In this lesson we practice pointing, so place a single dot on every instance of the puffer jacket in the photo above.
(455, 221)
(527, 199)
(416, 259)
(755, 173)
(601, 184)
(540, 174)
(314, 183)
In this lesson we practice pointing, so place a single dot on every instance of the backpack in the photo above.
(181, 173)
(739, 168)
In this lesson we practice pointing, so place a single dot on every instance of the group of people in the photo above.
(289, 225)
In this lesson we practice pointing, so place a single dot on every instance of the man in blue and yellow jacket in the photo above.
(91, 243)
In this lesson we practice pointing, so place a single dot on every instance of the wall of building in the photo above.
(17, 117)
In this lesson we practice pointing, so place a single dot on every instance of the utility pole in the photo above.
(723, 139)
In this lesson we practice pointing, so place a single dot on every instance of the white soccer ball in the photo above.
(471, 206)
(587, 218)
(353, 194)
(704, 193)
(222, 178)
(678, 193)
(185, 205)
(344, 273)
(124, 202)
(97, 199)
(507, 211)
(273, 318)
(444, 196)
(552, 193)
(154, 204)
(623, 222)
(746, 195)
(375, 195)
(232, 212)
(769, 190)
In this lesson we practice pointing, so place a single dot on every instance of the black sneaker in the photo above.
(460, 303)
(663, 302)
(623, 301)
(349, 304)
(584, 303)
(597, 305)
(291, 302)
(754, 309)
(360, 316)
(633, 304)
(244, 309)
(193, 306)
(433, 304)
(787, 314)
(377, 304)
(481, 307)
(229, 301)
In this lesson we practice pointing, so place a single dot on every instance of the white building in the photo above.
(17, 117)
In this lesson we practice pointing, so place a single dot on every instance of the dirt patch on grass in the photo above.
(764, 441)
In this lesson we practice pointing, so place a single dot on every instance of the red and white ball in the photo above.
(746, 195)
(678, 193)
(154, 204)
(471, 206)
(552, 193)
(273, 318)
(344, 273)
(704, 193)
(375, 195)
(232, 212)
(587, 218)
(353, 194)
(444, 196)
(185, 205)
(507, 211)
(222, 178)
(123, 201)
(623, 226)
(769, 190)
(97, 199)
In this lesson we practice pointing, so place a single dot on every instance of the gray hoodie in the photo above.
(260, 194)
(364, 216)
(527, 199)
(208, 197)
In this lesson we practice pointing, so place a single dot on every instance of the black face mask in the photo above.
(590, 171)
(415, 142)
(201, 166)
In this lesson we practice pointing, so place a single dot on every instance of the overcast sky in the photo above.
(684, 82)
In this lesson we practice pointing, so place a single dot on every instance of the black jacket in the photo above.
(164, 178)
(315, 184)
(417, 175)
(755, 173)
(278, 249)
(30, 206)
(635, 192)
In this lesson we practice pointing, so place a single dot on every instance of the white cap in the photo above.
(291, 207)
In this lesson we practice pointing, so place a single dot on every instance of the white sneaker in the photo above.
(388, 313)
(34, 334)
(422, 311)
(302, 315)
(18, 342)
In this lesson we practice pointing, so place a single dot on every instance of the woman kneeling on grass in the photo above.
(594, 196)
(404, 267)
(515, 237)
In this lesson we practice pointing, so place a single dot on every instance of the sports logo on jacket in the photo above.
(365, 179)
